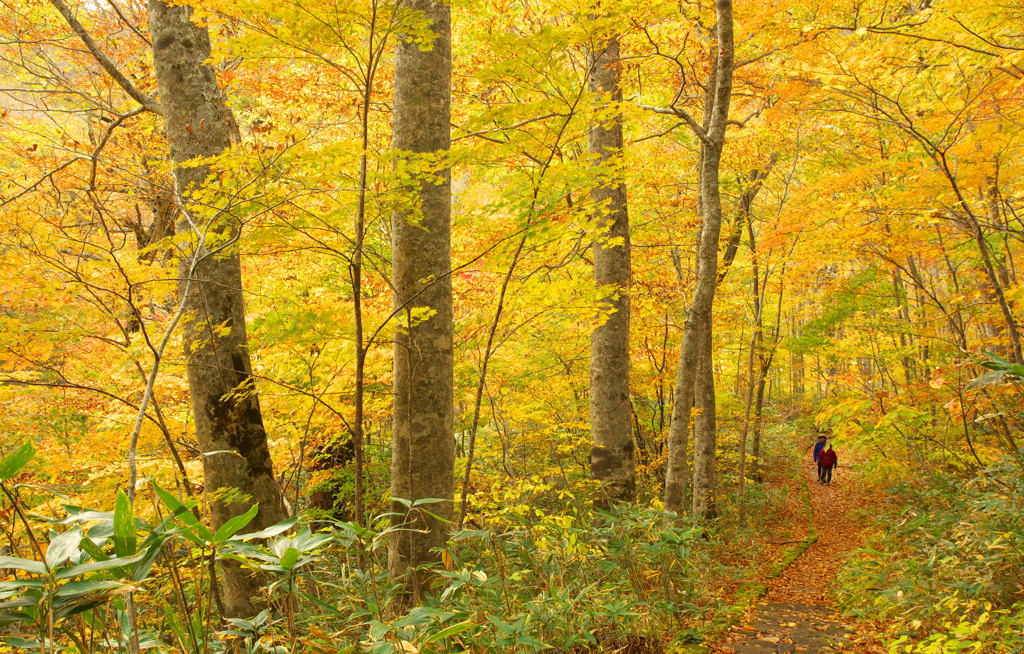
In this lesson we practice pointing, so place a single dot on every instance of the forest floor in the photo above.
(798, 613)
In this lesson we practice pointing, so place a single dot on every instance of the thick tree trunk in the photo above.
(705, 437)
(698, 317)
(225, 406)
(611, 456)
(423, 456)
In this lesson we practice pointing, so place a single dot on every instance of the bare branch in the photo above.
(679, 113)
(104, 61)
(503, 128)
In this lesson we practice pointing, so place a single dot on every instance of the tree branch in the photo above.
(104, 61)
(679, 113)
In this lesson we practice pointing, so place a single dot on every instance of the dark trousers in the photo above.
(825, 474)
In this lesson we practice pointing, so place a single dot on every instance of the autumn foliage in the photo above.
(872, 190)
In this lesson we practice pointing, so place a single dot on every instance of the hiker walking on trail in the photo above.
(819, 447)
(826, 461)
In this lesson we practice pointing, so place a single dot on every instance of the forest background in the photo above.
(866, 278)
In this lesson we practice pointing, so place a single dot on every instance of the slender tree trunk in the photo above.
(746, 428)
(611, 456)
(423, 455)
(757, 349)
(698, 317)
(374, 52)
(755, 444)
(225, 406)
(489, 350)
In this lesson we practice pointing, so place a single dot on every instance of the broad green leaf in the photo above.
(333, 610)
(503, 626)
(79, 587)
(63, 546)
(451, 631)
(78, 514)
(93, 550)
(27, 565)
(24, 600)
(95, 566)
(6, 586)
(124, 526)
(141, 570)
(429, 500)
(182, 512)
(290, 558)
(272, 530)
(526, 639)
(232, 526)
(79, 607)
(15, 461)
(175, 625)
(378, 630)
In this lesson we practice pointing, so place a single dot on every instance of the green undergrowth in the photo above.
(565, 578)
(946, 571)
(545, 571)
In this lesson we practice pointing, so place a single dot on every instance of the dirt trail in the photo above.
(797, 613)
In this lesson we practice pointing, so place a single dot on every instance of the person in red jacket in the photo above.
(826, 461)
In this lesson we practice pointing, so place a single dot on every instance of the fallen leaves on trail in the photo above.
(835, 509)
(799, 614)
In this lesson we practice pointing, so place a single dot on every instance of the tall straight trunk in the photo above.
(375, 51)
(423, 454)
(756, 348)
(698, 316)
(611, 455)
(226, 409)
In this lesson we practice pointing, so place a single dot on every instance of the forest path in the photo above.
(797, 614)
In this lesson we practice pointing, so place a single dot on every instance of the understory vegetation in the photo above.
(946, 569)
(944, 573)
(567, 576)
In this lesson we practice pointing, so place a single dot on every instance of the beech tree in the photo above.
(698, 316)
(423, 454)
(611, 456)
(237, 467)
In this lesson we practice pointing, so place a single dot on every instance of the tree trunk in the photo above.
(698, 316)
(611, 456)
(423, 456)
(755, 445)
(226, 409)
(704, 434)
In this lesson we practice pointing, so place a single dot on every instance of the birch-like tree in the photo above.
(423, 455)
(611, 455)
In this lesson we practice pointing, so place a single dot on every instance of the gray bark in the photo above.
(705, 437)
(423, 456)
(611, 455)
(225, 406)
(698, 316)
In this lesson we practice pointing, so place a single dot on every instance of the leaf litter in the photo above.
(798, 612)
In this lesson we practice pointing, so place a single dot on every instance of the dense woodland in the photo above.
(406, 326)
